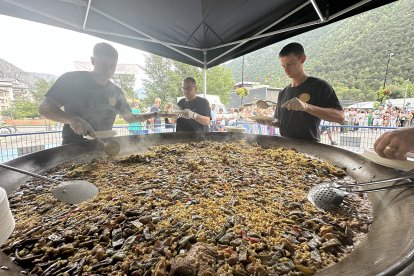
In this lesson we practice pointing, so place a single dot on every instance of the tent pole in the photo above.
(318, 11)
(86, 14)
(205, 73)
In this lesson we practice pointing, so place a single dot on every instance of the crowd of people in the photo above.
(386, 117)
(241, 116)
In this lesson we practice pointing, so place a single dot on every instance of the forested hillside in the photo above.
(351, 54)
(9, 71)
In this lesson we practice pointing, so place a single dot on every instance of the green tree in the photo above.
(164, 79)
(126, 82)
(219, 82)
(400, 88)
(22, 109)
(161, 80)
(343, 92)
(41, 87)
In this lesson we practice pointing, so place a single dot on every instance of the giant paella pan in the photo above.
(205, 221)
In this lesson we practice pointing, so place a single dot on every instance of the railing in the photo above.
(18, 144)
(353, 138)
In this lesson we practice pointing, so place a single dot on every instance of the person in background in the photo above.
(221, 120)
(395, 144)
(213, 124)
(90, 100)
(156, 121)
(306, 101)
(232, 117)
(169, 122)
(325, 128)
(135, 128)
(196, 114)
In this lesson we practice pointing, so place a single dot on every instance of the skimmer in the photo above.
(329, 195)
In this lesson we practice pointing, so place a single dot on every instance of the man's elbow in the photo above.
(42, 109)
(340, 118)
(206, 122)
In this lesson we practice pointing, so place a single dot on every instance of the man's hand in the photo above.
(295, 104)
(81, 127)
(395, 144)
(188, 114)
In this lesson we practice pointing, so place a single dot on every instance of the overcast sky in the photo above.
(34, 47)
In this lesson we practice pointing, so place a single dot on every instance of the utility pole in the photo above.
(386, 71)
(405, 93)
(242, 83)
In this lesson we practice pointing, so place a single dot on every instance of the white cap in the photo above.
(6, 217)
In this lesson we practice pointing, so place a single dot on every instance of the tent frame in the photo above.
(176, 47)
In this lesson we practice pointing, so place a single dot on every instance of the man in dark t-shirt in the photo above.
(302, 104)
(196, 110)
(90, 100)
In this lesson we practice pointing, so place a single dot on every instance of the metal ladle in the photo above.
(264, 104)
(71, 192)
(328, 195)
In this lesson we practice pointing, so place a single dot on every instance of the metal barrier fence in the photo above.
(18, 144)
(354, 138)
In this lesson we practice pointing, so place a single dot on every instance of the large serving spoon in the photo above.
(329, 195)
(71, 192)
(262, 104)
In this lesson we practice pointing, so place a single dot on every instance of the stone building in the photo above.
(12, 89)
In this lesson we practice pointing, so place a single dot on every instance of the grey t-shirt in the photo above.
(299, 124)
(81, 96)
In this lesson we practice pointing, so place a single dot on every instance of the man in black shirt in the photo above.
(90, 100)
(306, 101)
(196, 114)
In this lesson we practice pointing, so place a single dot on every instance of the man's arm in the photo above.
(188, 114)
(51, 109)
(327, 114)
(204, 120)
(129, 117)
